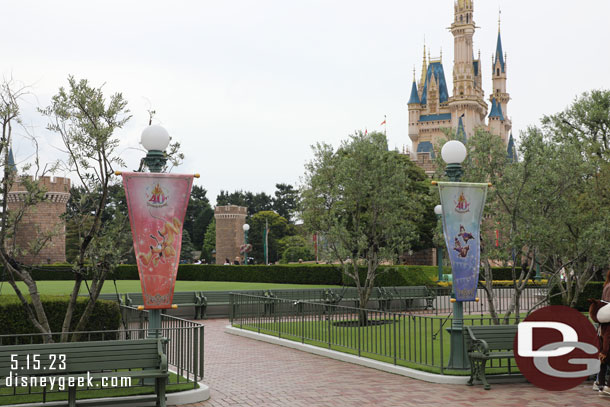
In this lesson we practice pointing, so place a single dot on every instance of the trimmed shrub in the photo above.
(391, 276)
(593, 289)
(14, 320)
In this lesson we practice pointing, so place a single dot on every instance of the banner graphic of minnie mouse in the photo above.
(157, 205)
(462, 212)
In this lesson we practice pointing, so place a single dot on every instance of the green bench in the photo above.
(488, 342)
(135, 359)
(410, 293)
(108, 297)
(181, 299)
(213, 298)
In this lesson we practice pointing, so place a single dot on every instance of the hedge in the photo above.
(106, 315)
(285, 273)
(593, 289)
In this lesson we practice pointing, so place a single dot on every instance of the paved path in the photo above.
(245, 372)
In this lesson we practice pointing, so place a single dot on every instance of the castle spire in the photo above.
(499, 54)
(424, 69)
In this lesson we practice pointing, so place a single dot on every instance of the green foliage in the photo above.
(294, 248)
(278, 228)
(254, 202)
(14, 320)
(287, 274)
(186, 251)
(395, 276)
(286, 200)
(209, 242)
(198, 216)
(593, 289)
(366, 202)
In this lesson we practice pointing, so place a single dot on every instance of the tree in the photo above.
(254, 202)
(86, 122)
(364, 201)
(278, 228)
(33, 194)
(187, 248)
(286, 200)
(295, 248)
(209, 242)
(199, 213)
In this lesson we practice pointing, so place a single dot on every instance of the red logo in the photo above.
(556, 348)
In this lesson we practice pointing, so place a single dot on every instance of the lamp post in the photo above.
(454, 153)
(246, 228)
(155, 140)
(438, 210)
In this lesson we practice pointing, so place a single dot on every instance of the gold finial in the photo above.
(413, 73)
(441, 55)
(499, 18)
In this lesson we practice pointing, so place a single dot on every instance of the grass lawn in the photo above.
(22, 395)
(420, 343)
(131, 286)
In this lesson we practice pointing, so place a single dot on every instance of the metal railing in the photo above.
(184, 350)
(406, 339)
(186, 340)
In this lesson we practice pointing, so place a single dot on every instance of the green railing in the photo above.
(184, 350)
(405, 339)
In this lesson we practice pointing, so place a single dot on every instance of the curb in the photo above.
(178, 398)
(344, 357)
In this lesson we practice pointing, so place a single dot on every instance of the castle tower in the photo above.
(467, 101)
(230, 220)
(40, 220)
(499, 123)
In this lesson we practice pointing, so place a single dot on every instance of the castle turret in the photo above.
(414, 112)
(467, 99)
(39, 222)
(229, 233)
(499, 95)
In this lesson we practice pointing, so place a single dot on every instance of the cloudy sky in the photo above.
(248, 86)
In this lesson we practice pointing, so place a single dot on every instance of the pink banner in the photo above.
(157, 205)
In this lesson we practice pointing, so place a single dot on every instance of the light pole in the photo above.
(155, 140)
(438, 210)
(246, 228)
(454, 153)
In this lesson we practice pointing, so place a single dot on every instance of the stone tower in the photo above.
(41, 218)
(229, 231)
(432, 109)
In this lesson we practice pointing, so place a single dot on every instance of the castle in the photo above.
(431, 108)
(44, 218)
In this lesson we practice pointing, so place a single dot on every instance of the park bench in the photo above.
(135, 359)
(212, 298)
(181, 299)
(410, 293)
(486, 343)
(108, 297)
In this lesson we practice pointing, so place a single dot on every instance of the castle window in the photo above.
(498, 71)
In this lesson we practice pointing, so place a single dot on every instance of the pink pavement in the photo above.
(246, 372)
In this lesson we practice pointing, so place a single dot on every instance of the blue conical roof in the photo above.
(499, 53)
(436, 69)
(496, 110)
(11, 160)
(414, 95)
(461, 133)
(510, 151)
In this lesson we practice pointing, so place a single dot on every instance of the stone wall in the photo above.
(229, 231)
(41, 220)
(426, 257)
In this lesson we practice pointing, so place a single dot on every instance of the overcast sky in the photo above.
(248, 86)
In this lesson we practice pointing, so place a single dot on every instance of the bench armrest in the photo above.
(480, 346)
(128, 301)
(161, 349)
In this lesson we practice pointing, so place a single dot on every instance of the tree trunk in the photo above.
(96, 288)
(65, 328)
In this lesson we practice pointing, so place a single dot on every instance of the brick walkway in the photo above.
(245, 372)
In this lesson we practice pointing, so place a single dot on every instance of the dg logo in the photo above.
(556, 348)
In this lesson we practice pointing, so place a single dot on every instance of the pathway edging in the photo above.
(375, 364)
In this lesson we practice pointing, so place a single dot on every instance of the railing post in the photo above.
(395, 340)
